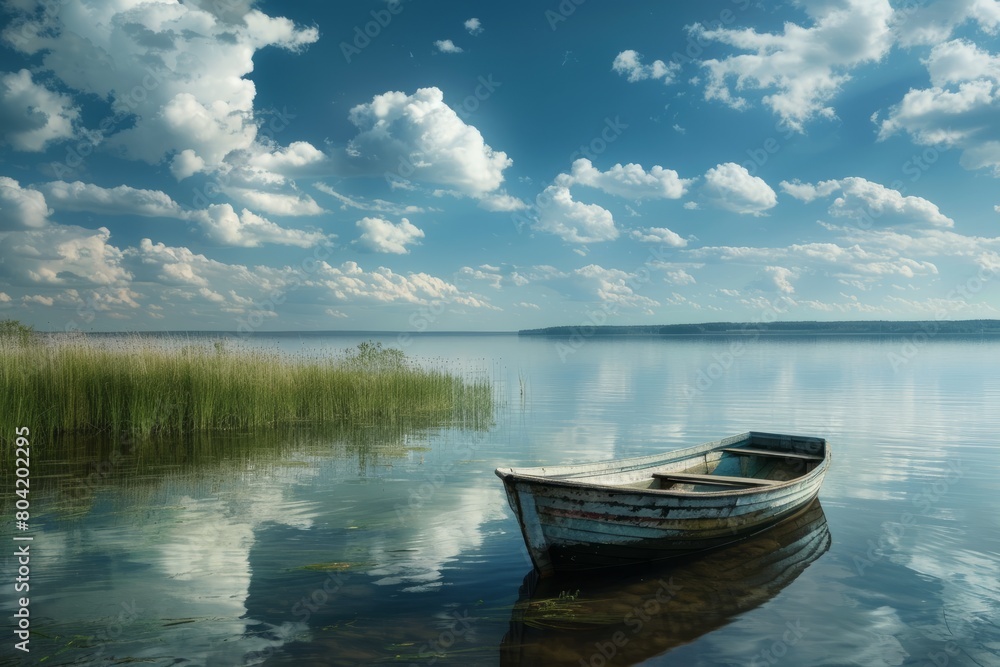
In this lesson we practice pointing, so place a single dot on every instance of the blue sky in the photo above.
(235, 165)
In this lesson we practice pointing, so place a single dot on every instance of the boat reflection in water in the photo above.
(637, 614)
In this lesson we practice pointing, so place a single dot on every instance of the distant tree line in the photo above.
(876, 327)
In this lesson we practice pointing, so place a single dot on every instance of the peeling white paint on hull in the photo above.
(665, 505)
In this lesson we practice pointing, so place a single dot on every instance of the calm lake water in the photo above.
(370, 547)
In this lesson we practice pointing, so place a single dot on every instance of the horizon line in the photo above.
(388, 332)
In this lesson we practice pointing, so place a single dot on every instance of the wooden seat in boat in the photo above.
(718, 480)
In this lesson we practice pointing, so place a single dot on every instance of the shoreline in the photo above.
(778, 329)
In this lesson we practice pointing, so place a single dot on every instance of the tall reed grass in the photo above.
(138, 389)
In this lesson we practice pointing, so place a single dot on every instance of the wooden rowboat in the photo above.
(666, 505)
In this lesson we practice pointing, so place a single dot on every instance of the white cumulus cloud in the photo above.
(120, 200)
(277, 203)
(731, 187)
(800, 69)
(61, 255)
(629, 64)
(376, 205)
(679, 277)
(185, 164)
(573, 221)
(781, 277)
(221, 223)
(660, 235)
(31, 115)
(501, 201)
(961, 108)
(630, 180)
(934, 22)
(349, 283)
(177, 266)
(419, 137)
(868, 202)
(474, 26)
(174, 69)
(21, 208)
(288, 159)
(807, 192)
(597, 283)
(381, 235)
(447, 46)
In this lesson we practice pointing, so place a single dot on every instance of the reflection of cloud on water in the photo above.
(207, 546)
(585, 440)
(935, 592)
(418, 553)
(206, 576)
(178, 552)
(609, 384)
(883, 627)
(970, 597)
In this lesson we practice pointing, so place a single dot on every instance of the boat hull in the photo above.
(571, 522)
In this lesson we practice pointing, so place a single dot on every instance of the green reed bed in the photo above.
(137, 389)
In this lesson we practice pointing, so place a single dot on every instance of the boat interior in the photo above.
(736, 468)
(756, 463)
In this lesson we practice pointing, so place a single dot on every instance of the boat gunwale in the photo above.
(514, 475)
